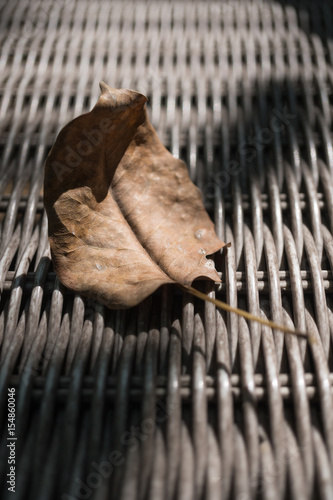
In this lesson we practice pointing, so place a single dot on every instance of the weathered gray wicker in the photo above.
(177, 399)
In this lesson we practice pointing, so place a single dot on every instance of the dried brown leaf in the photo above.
(124, 216)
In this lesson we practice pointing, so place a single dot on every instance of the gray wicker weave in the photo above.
(175, 399)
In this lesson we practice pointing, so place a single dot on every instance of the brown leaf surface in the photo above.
(124, 216)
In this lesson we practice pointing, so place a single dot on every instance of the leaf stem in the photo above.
(240, 312)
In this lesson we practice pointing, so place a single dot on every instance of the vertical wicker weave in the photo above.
(177, 399)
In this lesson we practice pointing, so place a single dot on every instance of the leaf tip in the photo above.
(116, 98)
(104, 87)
